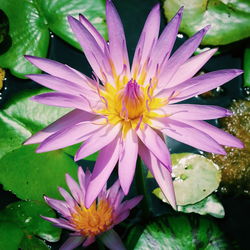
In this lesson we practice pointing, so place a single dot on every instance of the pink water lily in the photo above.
(96, 221)
(132, 107)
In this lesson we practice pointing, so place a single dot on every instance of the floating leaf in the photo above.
(30, 21)
(195, 177)
(181, 232)
(23, 117)
(10, 236)
(229, 20)
(209, 205)
(26, 216)
(246, 67)
(30, 175)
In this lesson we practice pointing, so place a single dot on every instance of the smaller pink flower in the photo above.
(98, 220)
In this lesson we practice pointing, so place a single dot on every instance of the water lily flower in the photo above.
(132, 107)
(96, 221)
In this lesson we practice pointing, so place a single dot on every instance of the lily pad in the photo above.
(246, 67)
(181, 232)
(10, 236)
(22, 117)
(210, 205)
(30, 175)
(194, 178)
(25, 215)
(30, 22)
(229, 19)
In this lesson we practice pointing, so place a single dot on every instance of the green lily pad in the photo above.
(210, 205)
(33, 243)
(229, 19)
(194, 178)
(22, 117)
(25, 215)
(30, 175)
(30, 22)
(246, 67)
(10, 236)
(29, 34)
(181, 232)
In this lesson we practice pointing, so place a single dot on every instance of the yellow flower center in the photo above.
(130, 103)
(94, 220)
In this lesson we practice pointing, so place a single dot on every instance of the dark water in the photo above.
(133, 13)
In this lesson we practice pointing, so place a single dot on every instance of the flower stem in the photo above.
(140, 178)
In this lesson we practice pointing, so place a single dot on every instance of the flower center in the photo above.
(131, 101)
(94, 220)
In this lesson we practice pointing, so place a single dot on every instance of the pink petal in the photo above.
(127, 161)
(111, 239)
(180, 56)
(190, 67)
(155, 144)
(65, 121)
(184, 133)
(94, 32)
(217, 134)
(160, 173)
(59, 70)
(68, 198)
(123, 216)
(199, 84)
(59, 223)
(105, 164)
(82, 180)
(194, 111)
(91, 49)
(88, 241)
(62, 85)
(72, 243)
(97, 141)
(70, 136)
(148, 38)
(59, 206)
(74, 189)
(117, 41)
(165, 43)
(64, 100)
(129, 204)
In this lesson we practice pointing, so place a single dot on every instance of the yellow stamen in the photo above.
(94, 220)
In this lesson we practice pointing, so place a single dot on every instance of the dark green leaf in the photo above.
(33, 243)
(30, 175)
(229, 20)
(10, 236)
(246, 67)
(30, 21)
(182, 232)
(26, 215)
(29, 34)
(56, 13)
(22, 118)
